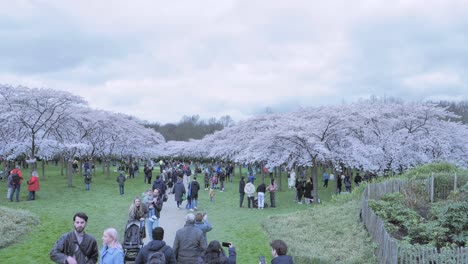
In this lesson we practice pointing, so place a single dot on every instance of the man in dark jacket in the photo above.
(76, 246)
(160, 185)
(189, 242)
(194, 188)
(278, 251)
(156, 245)
(241, 191)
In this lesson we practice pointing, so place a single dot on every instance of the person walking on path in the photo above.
(179, 191)
(33, 185)
(156, 245)
(121, 180)
(194, 188)
(111, 252)
(152, 221)
(189, 243)
(76, 247)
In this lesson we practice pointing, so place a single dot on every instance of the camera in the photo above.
(225, 244)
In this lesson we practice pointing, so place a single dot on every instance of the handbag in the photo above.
(164, 198)
(183, 197)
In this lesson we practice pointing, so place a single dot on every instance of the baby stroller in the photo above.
(133, 240)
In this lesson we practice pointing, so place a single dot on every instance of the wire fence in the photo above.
(390, 250)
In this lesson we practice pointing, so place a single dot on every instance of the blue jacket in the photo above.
(111, 255)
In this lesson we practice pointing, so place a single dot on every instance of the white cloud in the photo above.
(160, 60)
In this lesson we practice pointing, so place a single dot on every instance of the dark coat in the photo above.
(179, 190)
(155, 245)
(65, 247)
(195, 187)
(189, 244)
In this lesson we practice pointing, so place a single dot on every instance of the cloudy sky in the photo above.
(160, 60)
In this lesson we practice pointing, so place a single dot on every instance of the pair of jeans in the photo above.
(272, 199)
(32, 195)
(250, 199)
(16, 188)
(194, 203)
(241, 200)
(121, 189)
(150, 225)
(87, 186)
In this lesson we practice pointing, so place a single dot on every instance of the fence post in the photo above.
(432, 188)
(455, 183)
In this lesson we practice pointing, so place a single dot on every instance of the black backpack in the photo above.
(156, 257)
(15, 179)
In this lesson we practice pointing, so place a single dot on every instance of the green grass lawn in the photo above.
(250, 230)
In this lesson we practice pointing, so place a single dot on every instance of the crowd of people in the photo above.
(190, 246)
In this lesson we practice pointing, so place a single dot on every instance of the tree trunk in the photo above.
(43, 170)
(62, 164)
(69, 174)
(315, 181)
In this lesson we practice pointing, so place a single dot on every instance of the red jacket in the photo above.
(19, 172)
(33, 184)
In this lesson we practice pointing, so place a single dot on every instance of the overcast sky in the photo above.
(160, 60)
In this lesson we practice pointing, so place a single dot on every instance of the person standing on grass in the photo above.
(201, 222)
(16, 180)
(212, 195)
(76, 247)
(261, 189)
(111, 252)
(300, 190)
(272, 190)
(249, 189)
(189, 243)
(292, 178)
(325, 179)
(121, 180)
(33, 185)
(87, 180)
(207, 178)
(179, 191)
(241, 191)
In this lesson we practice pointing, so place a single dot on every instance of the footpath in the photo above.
(172, 219)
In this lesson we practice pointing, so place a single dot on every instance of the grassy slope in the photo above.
(320, 230)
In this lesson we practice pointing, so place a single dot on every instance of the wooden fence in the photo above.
(389, 249)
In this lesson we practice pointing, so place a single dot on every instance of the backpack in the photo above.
(156, 257)
(15, 179)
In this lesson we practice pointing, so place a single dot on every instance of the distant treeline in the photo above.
(458, 108)
(191, 127)
(194, 127)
